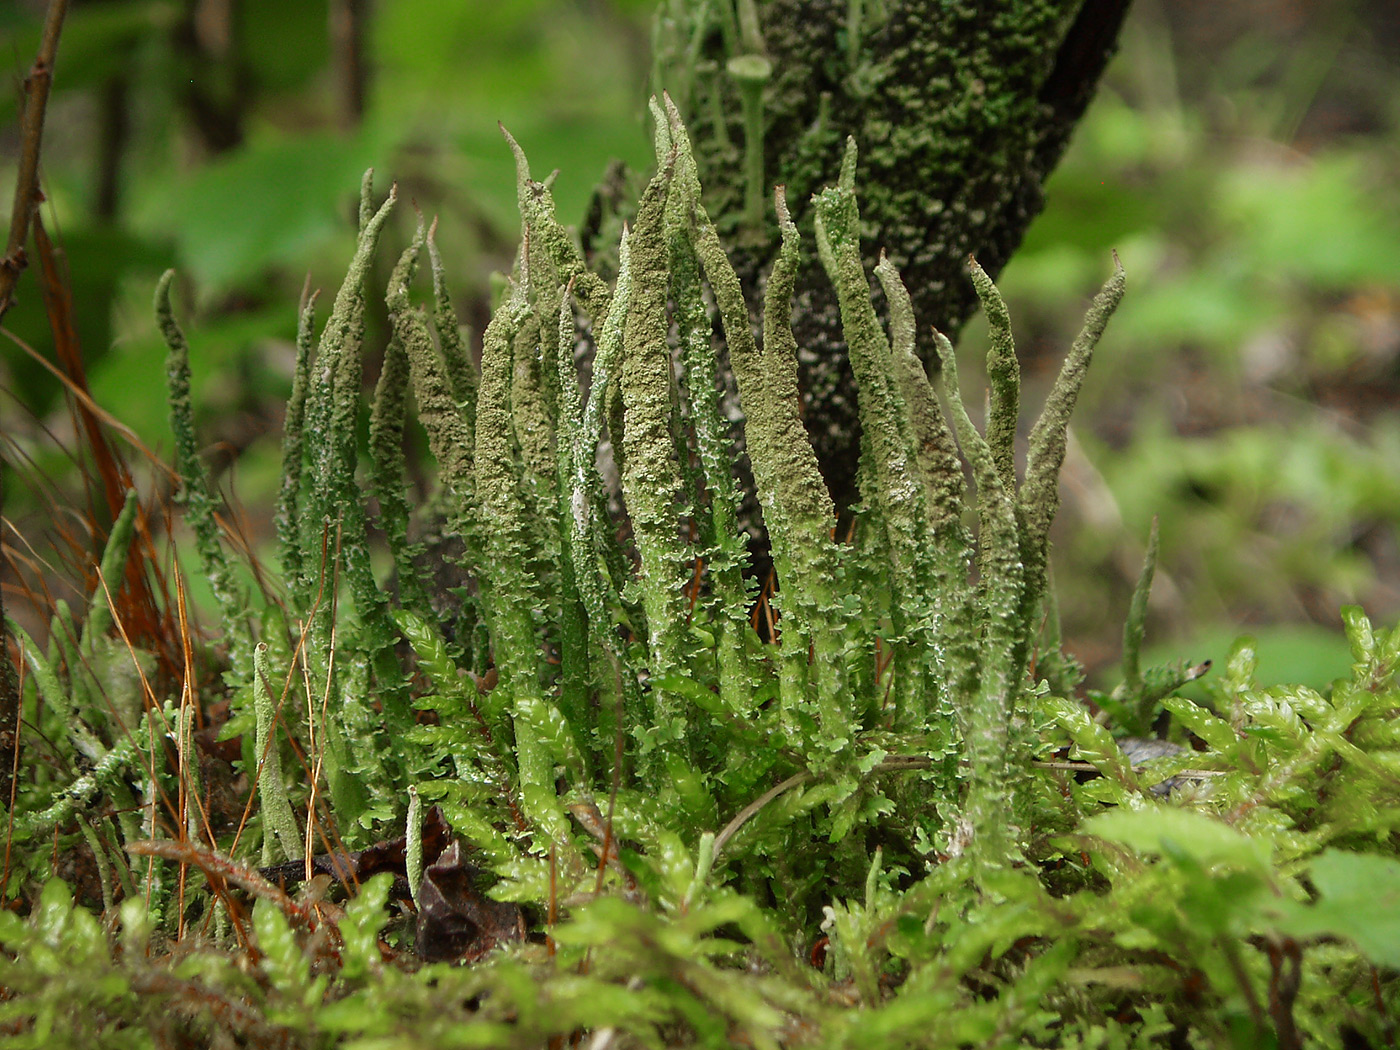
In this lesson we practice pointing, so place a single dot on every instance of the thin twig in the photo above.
(892, 764)
(742, 817)
(218, 866)
(89, 405)
(1286, 964)
(27, 194)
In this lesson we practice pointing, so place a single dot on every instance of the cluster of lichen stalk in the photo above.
(904, 646)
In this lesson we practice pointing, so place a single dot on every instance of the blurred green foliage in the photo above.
(1250, 191)
(245, 222)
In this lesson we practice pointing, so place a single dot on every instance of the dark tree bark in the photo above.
(347, 28)
(960, 109)
(216, 90)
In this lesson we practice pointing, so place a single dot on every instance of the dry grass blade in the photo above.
(223, 869)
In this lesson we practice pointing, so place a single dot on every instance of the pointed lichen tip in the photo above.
(671, 139)
(163, 286)
(522, 166)
(681, 138)
(672, 110)
(847, 181)
(1117, 262)
(372, 219)
(431, 237)
(944, 348)
(985, 287)
(780, 204)
(679, 133)
(624, 251)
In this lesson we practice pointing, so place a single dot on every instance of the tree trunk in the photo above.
(960, 109)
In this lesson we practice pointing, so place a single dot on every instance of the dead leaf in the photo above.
(456, 921)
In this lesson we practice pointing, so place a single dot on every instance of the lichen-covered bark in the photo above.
(960, 108)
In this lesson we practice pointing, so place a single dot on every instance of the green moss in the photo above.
(875, 773)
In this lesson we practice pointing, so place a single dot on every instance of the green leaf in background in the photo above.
(1320, 221)
(272, 203)
(1358, 898)
(1288, 654)
(90, 254)
(285, 45)
(222, 354)
(567, 84)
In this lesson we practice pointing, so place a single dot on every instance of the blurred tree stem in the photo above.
(216, 92)
(111, 146)
(347, 30)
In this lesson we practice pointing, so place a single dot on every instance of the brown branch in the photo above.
(27, 198)
(224, 869)
(27, 193)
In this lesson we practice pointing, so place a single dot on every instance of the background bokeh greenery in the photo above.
(1241, 158)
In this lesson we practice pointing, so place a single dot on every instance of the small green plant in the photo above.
(895, 780)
